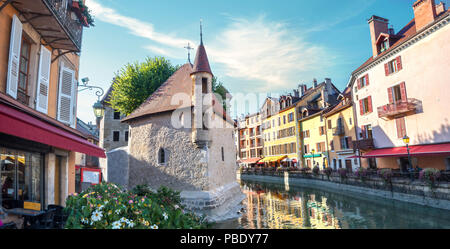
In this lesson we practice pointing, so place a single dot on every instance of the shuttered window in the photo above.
(43, 80)
(14, 57)
(397, 93)
(401, 127)
(365, 105)
(65, 98)
(393, 66)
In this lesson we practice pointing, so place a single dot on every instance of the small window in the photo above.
(116, 115)
(161, 156)
(223, 155)
(126, 136)
(392, 66)
(205, 86)
(116, 135)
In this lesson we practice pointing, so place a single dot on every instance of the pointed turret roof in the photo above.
(201, 64)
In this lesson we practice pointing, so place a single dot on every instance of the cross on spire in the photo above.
(189, 48)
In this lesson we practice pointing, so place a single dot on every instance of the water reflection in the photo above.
(276, 207)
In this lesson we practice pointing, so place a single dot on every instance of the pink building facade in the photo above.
(403, 90)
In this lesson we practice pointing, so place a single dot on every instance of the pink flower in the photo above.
(130, 201)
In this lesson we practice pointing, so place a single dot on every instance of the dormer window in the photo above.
(384, 45)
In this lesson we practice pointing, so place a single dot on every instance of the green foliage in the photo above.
(107, 206)
(136, 82)
(87, 13)
(220, 90)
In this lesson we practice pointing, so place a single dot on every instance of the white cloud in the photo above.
(258, 50)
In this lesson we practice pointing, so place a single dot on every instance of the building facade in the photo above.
(250, 140)
(113, 133)
(39, 61)
(340, 128)
(402, 91)
(311, 123)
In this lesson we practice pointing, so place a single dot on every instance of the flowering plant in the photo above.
(342, 172)
(316, 170)
(327, 171)
(361, 173)
(385, 174)
(430, 175)
(107, 206)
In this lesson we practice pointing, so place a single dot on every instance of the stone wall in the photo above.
(118, 166)
(401, 189)
(186, 167)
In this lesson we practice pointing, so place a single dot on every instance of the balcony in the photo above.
(54, 20)
(338, 130)
(363, 144)
(393, 110)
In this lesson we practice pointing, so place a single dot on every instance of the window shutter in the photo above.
(65, 97)
(14, 57)
(369, 100)
(361, 110)
(349, 143)
(401, 131)
(386, 69)
(391, 99)
(363, 131)
(399, 63)
(359, 84)
(403, 91)
(43, 80)
(367, 79)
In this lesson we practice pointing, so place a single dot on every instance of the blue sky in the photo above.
(254, 46)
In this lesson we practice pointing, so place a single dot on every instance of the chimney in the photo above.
(301, 90)
(424, 13)
(440, 8)
(377, 26)
(391, 30)
(314, 83)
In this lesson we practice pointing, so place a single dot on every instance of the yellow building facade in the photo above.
(280, 141)
(314, 141)
(340, 124)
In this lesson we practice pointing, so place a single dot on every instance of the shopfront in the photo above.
(22, 177)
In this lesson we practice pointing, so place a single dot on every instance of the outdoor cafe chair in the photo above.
(60, 217)
(44, 221)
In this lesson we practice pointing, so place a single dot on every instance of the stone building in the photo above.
(113, 133)
(182, 138)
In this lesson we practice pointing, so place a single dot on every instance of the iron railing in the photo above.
(61, 9)
(401, 107)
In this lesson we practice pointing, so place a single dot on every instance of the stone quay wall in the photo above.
(401, 189)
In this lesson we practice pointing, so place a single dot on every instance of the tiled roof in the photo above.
(201, 64)
(402, 36)
(160, 100)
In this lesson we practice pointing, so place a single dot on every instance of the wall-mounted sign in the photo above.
(93, 176)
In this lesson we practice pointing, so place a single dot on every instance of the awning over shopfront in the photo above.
(251, 160)
(311, 155)
(415, 150)
(272, 159)
(21, 124)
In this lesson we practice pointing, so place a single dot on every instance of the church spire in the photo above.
(201, 64)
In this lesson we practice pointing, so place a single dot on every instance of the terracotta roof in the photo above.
(402, 36)
(160, 100)
(201, 64)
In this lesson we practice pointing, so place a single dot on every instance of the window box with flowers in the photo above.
(82, 12)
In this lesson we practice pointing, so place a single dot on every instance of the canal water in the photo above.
(272, 206)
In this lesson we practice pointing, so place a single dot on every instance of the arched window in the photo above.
(161, 156)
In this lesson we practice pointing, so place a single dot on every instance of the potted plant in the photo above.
(342, 173)
(430, 176)
(316, 170)
(361, 173)
(327, 171)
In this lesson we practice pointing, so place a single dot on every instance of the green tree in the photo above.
(219, 89)
(134, 83)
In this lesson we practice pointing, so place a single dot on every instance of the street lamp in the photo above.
(313, 156)
(98, 107)
(406, 141)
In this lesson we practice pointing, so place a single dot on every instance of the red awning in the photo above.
(20, 124)
(414, 150)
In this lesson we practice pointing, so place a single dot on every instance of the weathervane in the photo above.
(189, 48)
